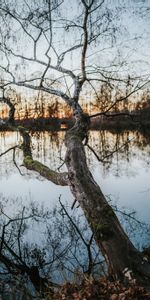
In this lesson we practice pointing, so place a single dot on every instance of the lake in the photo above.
(123, 175)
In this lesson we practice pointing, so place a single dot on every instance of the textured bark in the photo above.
(123, 259)
(34, 165)
(55, 177)
(125, 262)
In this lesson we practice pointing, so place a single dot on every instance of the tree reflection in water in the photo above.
(63, 247)
(116, 149)
(111, 147)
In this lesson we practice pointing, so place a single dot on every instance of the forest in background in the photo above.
(90, 55)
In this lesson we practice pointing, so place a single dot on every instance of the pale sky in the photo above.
(131, 44)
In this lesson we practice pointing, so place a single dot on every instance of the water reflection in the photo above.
(118, 150)
(64, 249)
(112, 148)
(47, 237)
(46, 147)
(124, 172)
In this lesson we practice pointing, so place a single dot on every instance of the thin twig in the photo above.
(12, 148)
(111, 153)
(14, 161)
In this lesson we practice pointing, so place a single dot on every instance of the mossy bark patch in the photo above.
(44, 171)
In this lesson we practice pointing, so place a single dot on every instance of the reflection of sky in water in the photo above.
(129, 192)
(127, 181)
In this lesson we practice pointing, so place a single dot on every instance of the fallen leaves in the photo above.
(101, 289)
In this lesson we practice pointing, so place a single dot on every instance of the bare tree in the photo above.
(37, 42)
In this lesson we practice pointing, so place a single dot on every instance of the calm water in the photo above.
(124, 177)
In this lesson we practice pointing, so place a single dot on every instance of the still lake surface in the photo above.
(123, 176)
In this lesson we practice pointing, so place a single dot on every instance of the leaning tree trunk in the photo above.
(125, 262)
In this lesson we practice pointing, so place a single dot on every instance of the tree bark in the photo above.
(34, 165)
(125, 262)
(53, 176)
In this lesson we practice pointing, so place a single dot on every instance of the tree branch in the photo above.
(34, 165)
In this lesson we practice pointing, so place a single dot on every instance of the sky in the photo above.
(124, 51)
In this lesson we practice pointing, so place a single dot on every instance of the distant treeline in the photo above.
(47, 106)
(138, 119)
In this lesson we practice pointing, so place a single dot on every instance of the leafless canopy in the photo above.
(57, 47)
